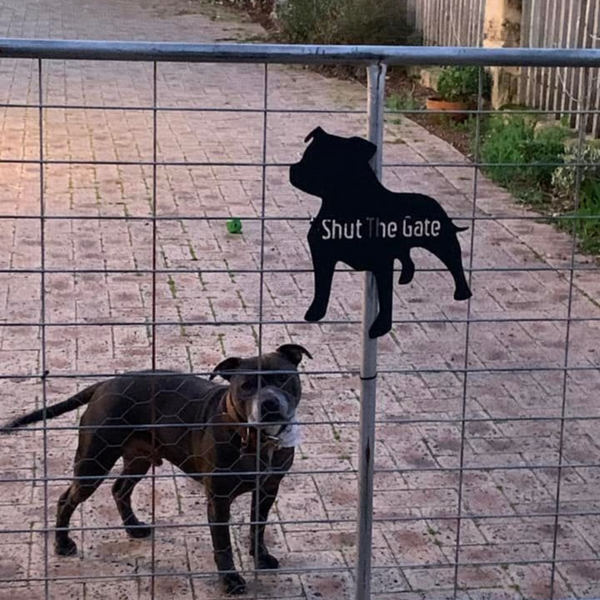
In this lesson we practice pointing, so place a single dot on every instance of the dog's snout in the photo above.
(270, 404)
(270, 408)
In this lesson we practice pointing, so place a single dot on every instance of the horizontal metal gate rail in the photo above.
(376, 59)
(296, 54)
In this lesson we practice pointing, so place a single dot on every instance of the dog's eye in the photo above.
(281, 380)
(249, 385)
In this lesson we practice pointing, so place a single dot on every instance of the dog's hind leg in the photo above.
(265, 497)
(90, 471)
(452, 258)
(408, 269)
(134, 469)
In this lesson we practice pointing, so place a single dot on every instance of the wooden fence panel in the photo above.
(449, 22)
(545, 24)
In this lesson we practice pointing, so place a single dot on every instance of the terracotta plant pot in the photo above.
(452, 108)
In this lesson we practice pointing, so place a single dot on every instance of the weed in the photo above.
(468, 126)
(405, 101)
(172, 286)
(221, 340)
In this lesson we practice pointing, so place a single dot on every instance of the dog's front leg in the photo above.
(218, 518)
(385, 289)
(324, 270)
(264, 496)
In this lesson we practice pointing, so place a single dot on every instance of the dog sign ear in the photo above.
(315, 133)
(368, 227)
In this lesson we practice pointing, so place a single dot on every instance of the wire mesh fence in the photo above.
(458, 459)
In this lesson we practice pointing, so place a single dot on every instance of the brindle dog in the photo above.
(210, 431)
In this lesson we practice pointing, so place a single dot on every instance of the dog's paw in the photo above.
(233, 584)
(65, 547)
(379, 328)
(406, 277)
(139, 532)
(314, 314)
(463, 294)
(266, 561)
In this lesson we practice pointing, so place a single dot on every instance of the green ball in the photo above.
(234, 226)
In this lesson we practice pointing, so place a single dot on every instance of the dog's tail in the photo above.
(79, 399)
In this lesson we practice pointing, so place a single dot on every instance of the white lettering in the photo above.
(359, 225)
(377, 229)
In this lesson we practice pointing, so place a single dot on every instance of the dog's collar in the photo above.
(248, 433)
(232, 411)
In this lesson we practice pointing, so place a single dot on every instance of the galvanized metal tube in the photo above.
(368, 371)
(297, 54)
(584, 101)
(43, 316)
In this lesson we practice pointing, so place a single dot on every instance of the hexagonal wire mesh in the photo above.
(465, 479)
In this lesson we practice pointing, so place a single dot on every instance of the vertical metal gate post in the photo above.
(368, 371)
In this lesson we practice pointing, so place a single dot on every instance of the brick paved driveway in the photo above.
(509, 458)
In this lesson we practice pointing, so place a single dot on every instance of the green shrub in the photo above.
(503, 142)
(461, 84)
(346, 22)
(545, 148)
(517, 139)
(514, 139)
(588, 227)
(564, 181)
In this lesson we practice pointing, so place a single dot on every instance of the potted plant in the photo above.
(457, 90)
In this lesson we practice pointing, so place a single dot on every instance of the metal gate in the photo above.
(437, 517)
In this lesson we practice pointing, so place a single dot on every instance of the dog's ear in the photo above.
(315, 133)
(363, 149)
(293, 352)
(226, 368)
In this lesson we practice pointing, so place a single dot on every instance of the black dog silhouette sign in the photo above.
(366, 226)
